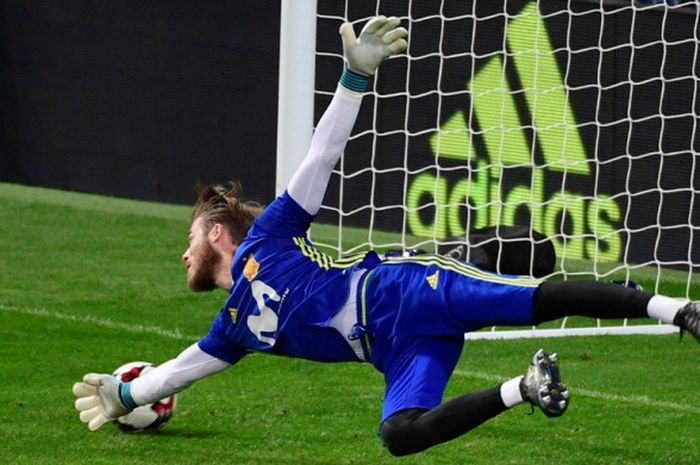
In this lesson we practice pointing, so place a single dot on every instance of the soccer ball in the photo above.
(148, 417)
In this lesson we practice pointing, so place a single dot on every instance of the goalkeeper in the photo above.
(405, 316)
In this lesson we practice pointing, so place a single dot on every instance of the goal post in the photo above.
(576, 118)
(295, 112)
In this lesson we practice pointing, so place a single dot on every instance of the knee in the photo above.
(398, 433)
(394, 437)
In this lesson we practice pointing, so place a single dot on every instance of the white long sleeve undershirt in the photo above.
(175, 375)
(309, 182)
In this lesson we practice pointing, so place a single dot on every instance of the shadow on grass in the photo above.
(182, 433)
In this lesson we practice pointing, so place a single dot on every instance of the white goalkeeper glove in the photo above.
(379, 39)
(102, 398)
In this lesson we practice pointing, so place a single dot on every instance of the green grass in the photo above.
(88, 283)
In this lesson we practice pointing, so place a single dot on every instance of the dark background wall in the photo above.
(143, 98)
(139, 99)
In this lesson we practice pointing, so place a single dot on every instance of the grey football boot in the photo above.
(688, 319)
(542, 386)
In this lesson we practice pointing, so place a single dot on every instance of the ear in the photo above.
(216, 232)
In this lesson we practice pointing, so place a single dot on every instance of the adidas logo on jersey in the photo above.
(433, 279)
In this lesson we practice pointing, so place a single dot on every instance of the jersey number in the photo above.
(266, 322)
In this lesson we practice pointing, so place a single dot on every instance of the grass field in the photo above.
(88, 283)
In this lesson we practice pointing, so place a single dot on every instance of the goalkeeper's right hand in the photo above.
(102, 398)
(379, 39)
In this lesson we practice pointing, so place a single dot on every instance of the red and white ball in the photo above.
(147, 417)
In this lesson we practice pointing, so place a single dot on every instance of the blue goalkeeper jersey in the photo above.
(285, 292)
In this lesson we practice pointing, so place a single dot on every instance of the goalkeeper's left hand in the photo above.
(379, 39)
(102, 398)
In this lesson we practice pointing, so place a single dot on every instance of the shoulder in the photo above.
(287, 203)
(283, 217)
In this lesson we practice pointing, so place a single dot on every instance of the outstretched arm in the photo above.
(102, 397)
(380, 38)
(175, 375)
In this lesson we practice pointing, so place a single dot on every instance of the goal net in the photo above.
(578, 119)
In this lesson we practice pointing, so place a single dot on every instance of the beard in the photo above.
(204, 278)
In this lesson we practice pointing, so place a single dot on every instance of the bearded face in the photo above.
(201, 260)
(203, 276)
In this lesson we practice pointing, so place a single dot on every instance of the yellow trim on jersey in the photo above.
(347, 262)
(364, 312)
(465, 269)
(322, 260)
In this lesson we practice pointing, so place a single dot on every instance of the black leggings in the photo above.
(413, 430)
(588, 298)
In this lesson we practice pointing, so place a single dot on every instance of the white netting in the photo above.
(578, 119)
